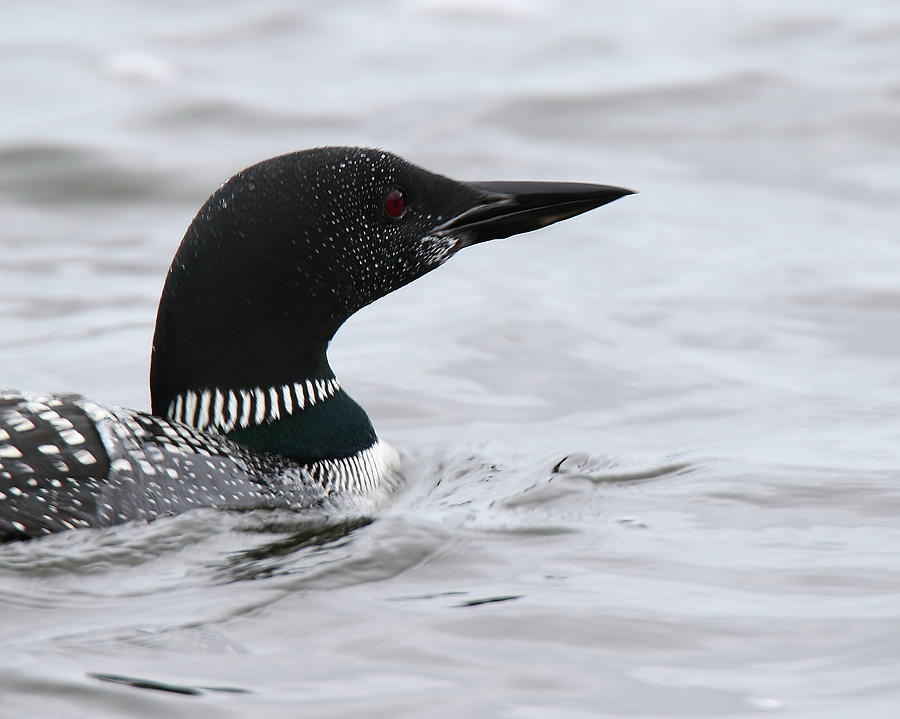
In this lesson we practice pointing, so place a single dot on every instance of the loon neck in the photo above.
(332, 429)
(226, 410)
(309, 420)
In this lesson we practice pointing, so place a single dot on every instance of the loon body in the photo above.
(246, 411)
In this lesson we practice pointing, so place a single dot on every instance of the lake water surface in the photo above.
(652, 453)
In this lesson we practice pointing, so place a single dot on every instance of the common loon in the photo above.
(246, 412)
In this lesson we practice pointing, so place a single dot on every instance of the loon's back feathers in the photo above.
(246, 410)
(68, 462)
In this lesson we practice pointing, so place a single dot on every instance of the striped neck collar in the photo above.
(226, 410)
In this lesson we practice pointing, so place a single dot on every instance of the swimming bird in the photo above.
(245, 409)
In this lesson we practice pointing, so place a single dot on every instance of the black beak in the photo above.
(510, 208)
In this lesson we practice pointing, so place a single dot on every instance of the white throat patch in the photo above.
(225, 410)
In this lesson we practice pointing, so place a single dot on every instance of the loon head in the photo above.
(286, 250)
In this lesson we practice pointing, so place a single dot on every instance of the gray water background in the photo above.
(712, 363)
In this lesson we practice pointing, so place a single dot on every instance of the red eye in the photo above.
(394, 204)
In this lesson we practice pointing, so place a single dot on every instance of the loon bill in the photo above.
(246, 412)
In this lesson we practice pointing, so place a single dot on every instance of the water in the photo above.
(661, 437)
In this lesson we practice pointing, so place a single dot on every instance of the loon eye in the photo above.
(394, 204)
